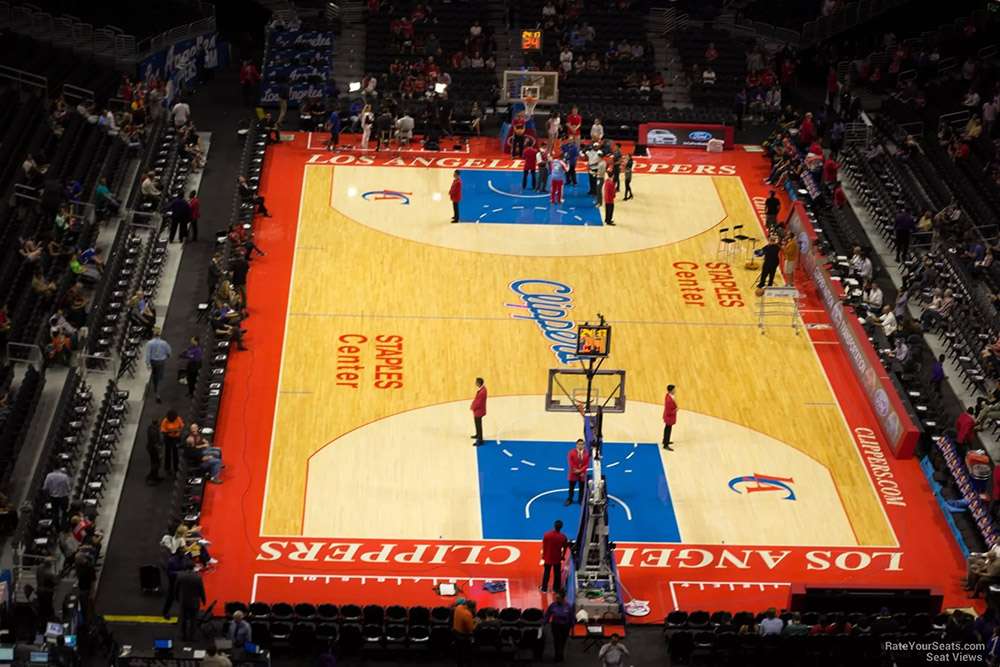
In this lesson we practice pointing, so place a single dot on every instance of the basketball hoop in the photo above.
(529, 105)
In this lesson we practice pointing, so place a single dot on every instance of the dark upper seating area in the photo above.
(729, 65)
(411, 45)
(59, 66)
(155, 17)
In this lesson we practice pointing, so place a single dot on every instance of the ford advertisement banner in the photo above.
(683, 135)
(897, 427)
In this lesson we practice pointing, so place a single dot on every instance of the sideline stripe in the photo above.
(137, 618)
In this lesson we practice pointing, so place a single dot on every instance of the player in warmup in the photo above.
(553, 126)
(558, 170)
(573, 123)
(530, 162)
(628, 177)
(455, 194)
(518, 127)
(578, 462)
(609, 201)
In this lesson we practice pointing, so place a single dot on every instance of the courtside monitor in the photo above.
(6, 654)
(39, 657)
(593, 340)
(163, 644)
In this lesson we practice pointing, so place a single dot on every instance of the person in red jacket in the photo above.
(249, 78)
(455, 193)
(195, 205)
(573, 122)
(478, 408)
(577, 462)
(609, 201)
(530, 162)
(807, 131)
(669, 416)
(554, 545)
(965, 426)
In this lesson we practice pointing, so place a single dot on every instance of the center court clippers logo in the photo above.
(387, 195)
(547, 303)
(757, 483)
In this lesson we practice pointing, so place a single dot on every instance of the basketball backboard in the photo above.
(568, 390)
(518, 83)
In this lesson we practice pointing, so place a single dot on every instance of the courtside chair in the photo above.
(727, 243)
(373, 614)
(441, 616)
(326, 634)
(305, 611)
(303, 636)
(420, 616)
(261, 631)
(721, 618)
(396, 614)
(350, 613)
(510, 616)
(698, 620)
(328, 613)
(260, 611)
(676, 620)
(532, 617)
(351, 637)
(281, 634)
(395, 635)
(282, 611)
(418, 635)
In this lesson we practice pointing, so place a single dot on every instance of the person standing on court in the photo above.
(558, 169)
(530, 162)
(570, 155)
(559, 616)
(609, 201)
(517, 128)
(573, 123)
(179, 211)
(629, 163)
(577, 462)
(772, 205)
(543, 169)
(554, 545)
(616, 166)
(478, 408)
(770, 252)
(157, 353)
(669, 416)
(553, 126)
(455, 193)
(193, 355)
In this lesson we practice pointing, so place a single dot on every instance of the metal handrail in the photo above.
(25, 78)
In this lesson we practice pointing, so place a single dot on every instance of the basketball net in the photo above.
(529, 105)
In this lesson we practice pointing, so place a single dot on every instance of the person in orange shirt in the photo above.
(462, 626)
(172, 427)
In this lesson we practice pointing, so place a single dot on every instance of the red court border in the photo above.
(345, 570)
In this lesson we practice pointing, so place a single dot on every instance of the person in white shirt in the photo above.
(404, 128)
(552, 128)
(367, 120)
(770, 624)
(475, 30)
(148, 187)
(549, 9)
(613, 653)
(566, 59)
(708, 76)
(181, 113)
(888, 322)
(597, 132)
(872, 297)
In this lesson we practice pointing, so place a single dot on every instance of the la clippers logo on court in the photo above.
(756, 483)
(545, 302)
(387, 195)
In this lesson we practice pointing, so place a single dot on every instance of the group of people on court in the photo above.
(551, 166)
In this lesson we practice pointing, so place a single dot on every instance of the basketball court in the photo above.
(351, 475)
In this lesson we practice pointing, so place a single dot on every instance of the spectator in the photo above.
(613, 653)
(250, 198)
(770, 624)
(180, 114)
(194, 206)
(216, 659)
(597, 132)
(239, 631)
(559, 616)
(249, 79)
(58, 487)
(708, 76)
(149, 189)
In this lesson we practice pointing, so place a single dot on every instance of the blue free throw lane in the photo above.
(523, 485)
(497, 197)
